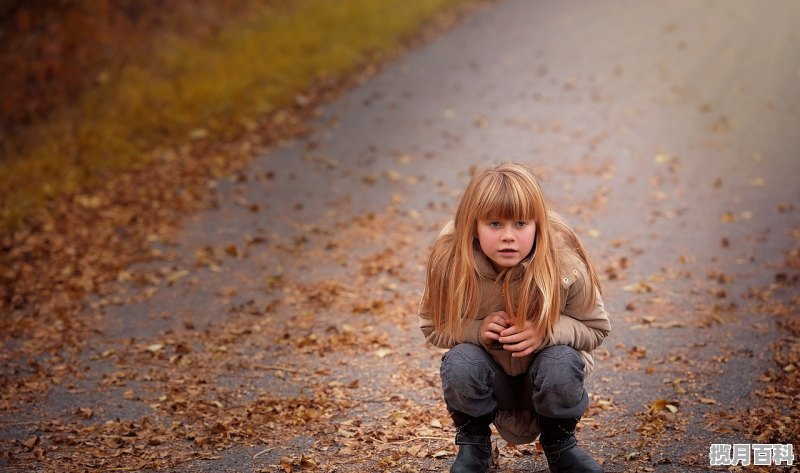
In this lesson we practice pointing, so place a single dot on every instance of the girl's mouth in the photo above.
(508, 251)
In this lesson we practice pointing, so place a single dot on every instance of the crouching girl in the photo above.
(511, 293)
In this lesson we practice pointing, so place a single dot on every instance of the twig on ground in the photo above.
(414, 439)
(278, 368)
(262, 451)
(355, 399)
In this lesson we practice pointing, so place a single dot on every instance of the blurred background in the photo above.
(88, 89)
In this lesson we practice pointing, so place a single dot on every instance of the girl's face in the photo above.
(506, 242)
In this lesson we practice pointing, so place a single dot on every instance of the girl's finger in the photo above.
(515, 334)
(525, 347)
(500, 321)
(509, 331)
(518, 346)
(525, 352)
(511, 339)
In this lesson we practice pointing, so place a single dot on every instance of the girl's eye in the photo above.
(521, 224)
(494, 224)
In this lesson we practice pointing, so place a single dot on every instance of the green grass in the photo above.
(253, 66)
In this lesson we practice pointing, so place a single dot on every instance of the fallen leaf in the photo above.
(227, 291)
(638, 352)
(638, 288)
(174, 276)
(663, 158)
(307, 462)
(113, 442)
(154, 348)
(793, 260)
(392, 175)
(661, 404)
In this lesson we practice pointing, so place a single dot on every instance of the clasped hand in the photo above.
(520, 340)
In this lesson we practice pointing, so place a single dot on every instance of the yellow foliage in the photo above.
(192, 88)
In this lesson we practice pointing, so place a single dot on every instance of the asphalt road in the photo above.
(668, 133)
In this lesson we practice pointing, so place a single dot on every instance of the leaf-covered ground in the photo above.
(250, 306)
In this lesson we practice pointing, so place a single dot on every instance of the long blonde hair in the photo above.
(504, 191)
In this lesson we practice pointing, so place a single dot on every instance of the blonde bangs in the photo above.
(505, 199)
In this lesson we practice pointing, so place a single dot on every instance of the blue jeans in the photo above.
(473, 383)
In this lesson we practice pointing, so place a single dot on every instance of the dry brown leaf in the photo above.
(31, 442)
(308, 462)
(113, 442)
(638, 288)
(663, 404)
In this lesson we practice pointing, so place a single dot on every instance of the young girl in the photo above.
(512, 295)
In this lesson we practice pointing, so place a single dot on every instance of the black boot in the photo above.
(473, 437)
(561, 448)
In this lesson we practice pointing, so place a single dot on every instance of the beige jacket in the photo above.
(583, 330)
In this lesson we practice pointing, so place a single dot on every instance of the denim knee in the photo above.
(468, 379)
(558, 375)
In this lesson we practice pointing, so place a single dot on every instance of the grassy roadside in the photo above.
(190, 89)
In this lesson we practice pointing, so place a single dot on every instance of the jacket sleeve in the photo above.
(468, 334)
(579, 327)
